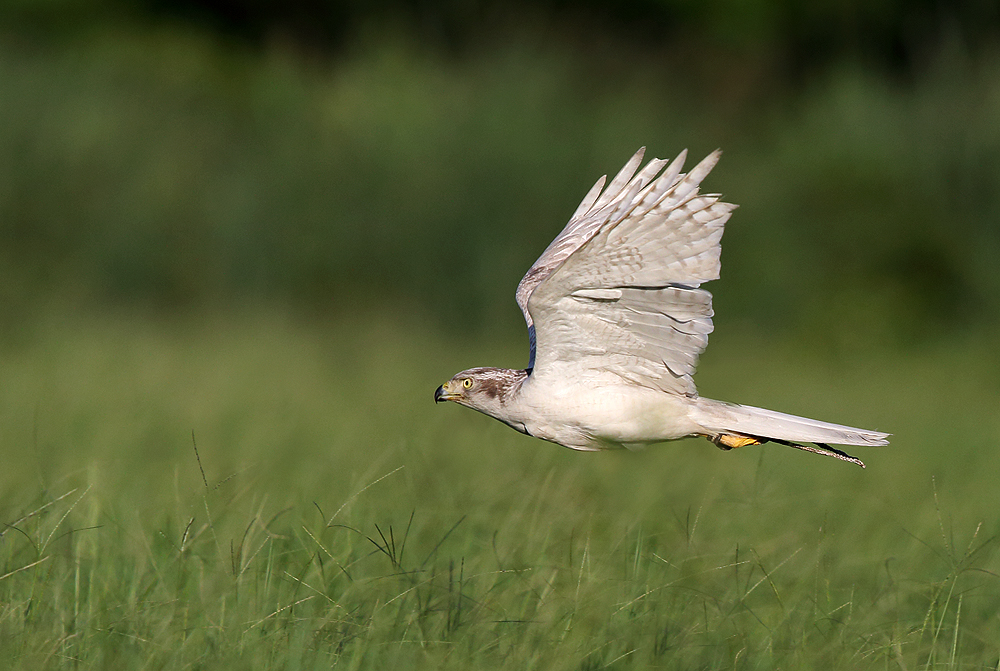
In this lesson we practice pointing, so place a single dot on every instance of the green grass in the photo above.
(334, 517)
(331, 514)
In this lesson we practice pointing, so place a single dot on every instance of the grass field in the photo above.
(332, 516)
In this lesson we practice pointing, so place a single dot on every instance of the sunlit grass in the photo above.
(324, 512)
(259, 490)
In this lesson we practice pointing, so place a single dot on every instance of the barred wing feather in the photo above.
(617, 290)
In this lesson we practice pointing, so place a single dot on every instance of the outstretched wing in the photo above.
(617, 290)
(591, 214)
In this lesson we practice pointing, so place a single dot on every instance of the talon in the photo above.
(730, 441)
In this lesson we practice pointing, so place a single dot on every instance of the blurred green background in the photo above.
(280, 226)
(421, 154)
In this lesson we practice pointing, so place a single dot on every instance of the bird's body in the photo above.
(617, 320)
(594, 414)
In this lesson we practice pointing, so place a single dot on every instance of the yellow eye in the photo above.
(467, 383)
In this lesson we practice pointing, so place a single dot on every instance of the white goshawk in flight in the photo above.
(617, 320)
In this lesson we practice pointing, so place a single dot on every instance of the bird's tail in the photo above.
(728, 425)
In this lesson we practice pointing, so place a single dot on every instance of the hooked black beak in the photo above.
(439, 394)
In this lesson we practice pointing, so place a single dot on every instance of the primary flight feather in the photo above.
(616, 322)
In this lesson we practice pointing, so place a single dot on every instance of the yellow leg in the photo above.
(729, 441)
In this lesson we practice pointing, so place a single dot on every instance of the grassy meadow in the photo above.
(233, 270)
(261, 490)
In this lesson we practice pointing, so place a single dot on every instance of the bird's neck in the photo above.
(502, 384)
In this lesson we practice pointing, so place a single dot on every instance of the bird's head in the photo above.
(464, 388)
(482, 389)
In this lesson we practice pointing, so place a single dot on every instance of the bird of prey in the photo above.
(616, 321)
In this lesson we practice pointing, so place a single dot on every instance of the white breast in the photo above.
(600, 413)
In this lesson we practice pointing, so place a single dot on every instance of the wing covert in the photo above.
(593, 212)
(618, 290)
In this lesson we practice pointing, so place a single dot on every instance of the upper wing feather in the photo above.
(593, 212)
(617, 290)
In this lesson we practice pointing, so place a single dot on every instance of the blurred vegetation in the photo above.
(338, 154)
(334, 516)
(255, 222)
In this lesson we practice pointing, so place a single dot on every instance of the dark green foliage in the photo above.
(175, 168)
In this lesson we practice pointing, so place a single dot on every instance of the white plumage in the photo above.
(617, 320)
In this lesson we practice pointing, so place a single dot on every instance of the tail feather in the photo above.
(717, 417)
